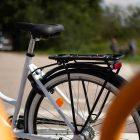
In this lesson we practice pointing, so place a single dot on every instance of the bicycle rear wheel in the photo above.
(41, 117)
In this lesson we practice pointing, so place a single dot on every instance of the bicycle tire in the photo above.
(35, 99)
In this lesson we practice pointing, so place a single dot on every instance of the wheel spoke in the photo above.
(89, 94)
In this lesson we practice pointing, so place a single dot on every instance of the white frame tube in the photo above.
(21, 90)
(7, 99)
(25, 72)
(27, 67)
(52, 101)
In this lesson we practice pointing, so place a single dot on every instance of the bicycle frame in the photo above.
(28, 68)
(37, 74)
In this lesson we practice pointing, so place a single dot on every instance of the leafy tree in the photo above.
(80, 19)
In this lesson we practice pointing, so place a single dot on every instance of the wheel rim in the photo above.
(81, 107)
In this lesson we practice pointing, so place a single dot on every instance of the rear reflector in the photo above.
(117, 66)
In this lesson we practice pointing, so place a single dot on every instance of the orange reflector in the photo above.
(60, 102)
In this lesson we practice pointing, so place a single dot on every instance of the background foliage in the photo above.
(87, 24)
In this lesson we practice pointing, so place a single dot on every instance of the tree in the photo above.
(80, 18)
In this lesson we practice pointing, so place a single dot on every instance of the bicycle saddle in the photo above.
(41, 30)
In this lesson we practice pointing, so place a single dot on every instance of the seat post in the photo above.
(27, 62)
(31, 45)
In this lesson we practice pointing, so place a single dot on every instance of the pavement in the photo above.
(11, 65)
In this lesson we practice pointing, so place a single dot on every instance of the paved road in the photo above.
(11, 65)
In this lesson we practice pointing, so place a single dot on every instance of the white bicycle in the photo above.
(71, 99)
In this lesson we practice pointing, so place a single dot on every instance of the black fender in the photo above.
(85, 67)
(72, 67)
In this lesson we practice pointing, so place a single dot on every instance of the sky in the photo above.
(122, 2)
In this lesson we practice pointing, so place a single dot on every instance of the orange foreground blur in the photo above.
(5, 128)
(120, 109)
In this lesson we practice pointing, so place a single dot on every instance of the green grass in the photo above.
(98, 47)
(132, 59)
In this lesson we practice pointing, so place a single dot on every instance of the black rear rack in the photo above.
(96, 57)
(110, 60)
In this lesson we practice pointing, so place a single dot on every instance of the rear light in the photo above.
(117, 66)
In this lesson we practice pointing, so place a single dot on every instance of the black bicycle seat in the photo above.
(41, 30)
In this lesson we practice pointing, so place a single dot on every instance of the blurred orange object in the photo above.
(60, 102)
(5, 128)
(128, 98)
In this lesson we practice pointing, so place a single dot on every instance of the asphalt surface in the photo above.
(11, 65)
